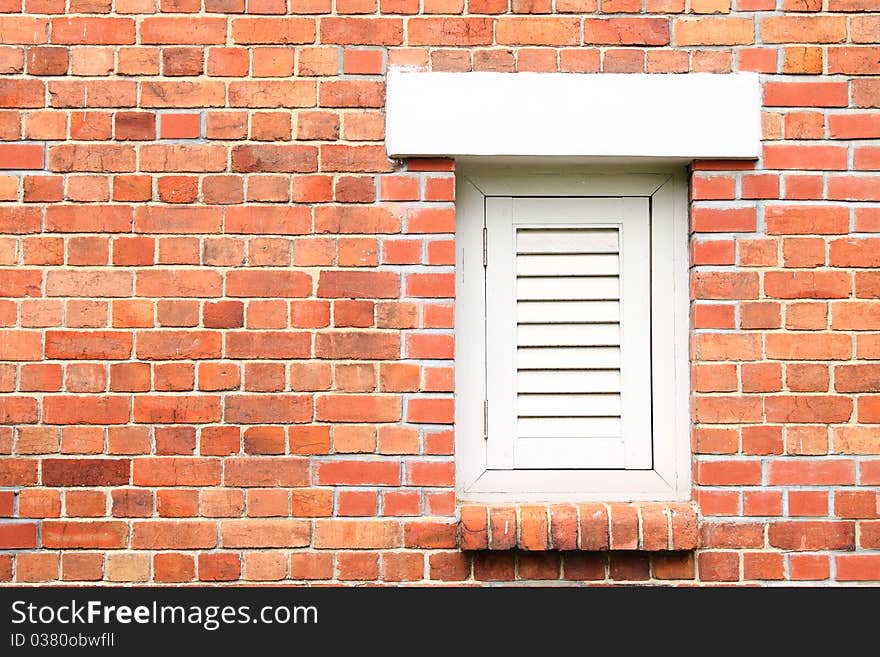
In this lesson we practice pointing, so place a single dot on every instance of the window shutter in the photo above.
(568, 333)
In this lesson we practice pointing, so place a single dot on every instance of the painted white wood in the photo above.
(670, 477)
(635, 332)
(576, 358)
(564, 240)
(573, 335)
(574, 180)
(549, 312)
(610, 115)
(501, 331)
(550, 405)
(603, 210)
(470, 354)
(670, 331)
(541, 485)
(592, 264)
(581, 429)
(553, 288)
(547, 380)
(568, 454)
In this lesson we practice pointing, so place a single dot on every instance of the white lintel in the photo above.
(693, 116)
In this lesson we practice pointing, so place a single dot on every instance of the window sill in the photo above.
(645, 526)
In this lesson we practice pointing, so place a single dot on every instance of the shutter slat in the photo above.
(533, 358)
(567, 312)
(568, 381)
(550, 288)
(569, 405)
(568, 265)
(568, 335)
(573, 240)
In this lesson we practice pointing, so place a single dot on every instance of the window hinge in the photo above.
(485, 247)
(485, 419)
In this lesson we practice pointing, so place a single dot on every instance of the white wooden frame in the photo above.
(670, 477)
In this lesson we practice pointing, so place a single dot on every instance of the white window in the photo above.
(571, 335)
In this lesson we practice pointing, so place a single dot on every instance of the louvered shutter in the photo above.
(568, 328)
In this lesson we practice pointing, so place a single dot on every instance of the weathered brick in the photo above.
(357, 534)
(264, 533)
(810, 535)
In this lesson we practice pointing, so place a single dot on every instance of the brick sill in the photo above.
(644, 526)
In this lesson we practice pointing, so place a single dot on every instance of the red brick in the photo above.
(808, 408)
(806, 219)
(430, 473)
(86, 410)
(449, 566)
(82, 566)
(474, 528)
(173, 567)
(265, 533)
(594, 533)
(358, 473)
(84, 534)
(731, 535)
(763, 566)
(357, 534)
(803, 29)
(727, 473)
(733, 285)
(684, 526)
(856, 504)
(714, 31)
(357, 504)
(357, 408)
(673, 565)
(810, 535)
(449, 31)
(762, 503)
(629, 566)
(704, 219)
(805, 156)
(21, 156)
(857, 567)
(253, 471)
(109, 345)
(869, 534)
(219, 567)
(85, 472)
(311, 566)
(93, 30)
(808, 503)
(430, 535)
(811, 285)
(809, 567)
(584, 566)
(176, 472)
(489, 566)
(402, 567)
(719, 566)
(17, 536)
(35, 567)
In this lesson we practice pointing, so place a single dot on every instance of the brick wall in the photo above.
(227, 322)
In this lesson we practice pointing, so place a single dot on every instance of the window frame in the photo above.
(670, 478)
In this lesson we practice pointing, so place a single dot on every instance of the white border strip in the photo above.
(695, 115)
